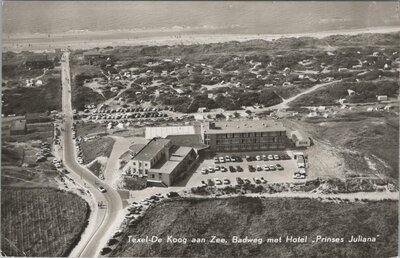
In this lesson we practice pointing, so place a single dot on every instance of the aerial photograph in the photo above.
(200, 129)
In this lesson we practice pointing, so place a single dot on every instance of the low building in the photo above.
(32, 118)
(382, 98)
(299, 139)
(244, 135)
(18, 127)
(168, 171)
(149, 155)
(164, 131)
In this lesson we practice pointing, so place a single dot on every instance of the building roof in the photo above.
(189, 140)
(18, 125)
(298, 136)
(151, 149)
(164, 131)
(246, 126)
(176, 158)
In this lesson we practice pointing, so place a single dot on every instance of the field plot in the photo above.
(41, 221)
(257, 218)
(99, 147)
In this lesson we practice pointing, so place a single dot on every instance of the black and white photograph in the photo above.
(200, 129)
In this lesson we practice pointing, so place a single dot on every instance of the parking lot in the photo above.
(271, 176)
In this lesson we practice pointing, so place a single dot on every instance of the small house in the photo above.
(299, 139)
(382, 98)
(18, 127)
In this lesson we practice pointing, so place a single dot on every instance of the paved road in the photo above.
(105, 219)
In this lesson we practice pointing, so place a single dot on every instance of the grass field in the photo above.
(90, 128)
(264, 218)
(99, 147)
(42, 222)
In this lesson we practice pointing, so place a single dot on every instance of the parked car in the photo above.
(299, 176)
(217, 181)
(246, 181)
(227, 181)
(232, 169)
(217, 168)
(259, 168)
(204, 171)
(276, 157)
(279, 167)
(263, 181)
(270, 157)
(256, 180)
(233, 159)
(266, 167)
(102, 189)
(210, 182)
(221, 160)
(258, 157)
(223, 169)
(252, 168)
(210, 170)
(203, 183)
(216, 160)
(264, 157)
(239, 169)
(248, 158)
(239, 181)
(228, 159)
(272, 167)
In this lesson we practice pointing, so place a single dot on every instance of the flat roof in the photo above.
(298, 136)
(176, 158)
(243, 126)
(18, 125)
(151, 149)
(164, 131)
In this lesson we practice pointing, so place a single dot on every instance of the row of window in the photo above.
(251, 141)
(248, 147)
(246, 135)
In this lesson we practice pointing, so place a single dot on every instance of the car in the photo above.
(246, 181)
(217, 168)
(266, 168)
(238, 159)
(221, 160)
(272, 167)
(223, 169)
(239, 181)
(204, 171)
(203, 183)
(227, 181)
(276, 157)
(263, 181)
(248, 158)
(258, 157)
(232, 169)
(105, 250)
(252, 168)
(259, 168)
(228, 159)
(130, 216)
(264, 157)
(102, 189)
(279, 167)
(216, 160)
(298, 176)
(239, 169)
(256, 180)
(233, 159)
(210, 182)
(217, 181)
(210, 170)
(270, 157)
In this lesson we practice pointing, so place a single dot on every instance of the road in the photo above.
(94, 236)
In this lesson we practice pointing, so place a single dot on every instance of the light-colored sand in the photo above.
(88, 40)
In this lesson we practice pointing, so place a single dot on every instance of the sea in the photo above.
(176, 17)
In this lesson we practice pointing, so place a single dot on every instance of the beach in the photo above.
(88, 39)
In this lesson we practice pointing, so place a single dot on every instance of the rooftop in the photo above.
(243, 126)
(164, 131)
(18, 125)
(298, 136)
(169, 166)
(151, 149)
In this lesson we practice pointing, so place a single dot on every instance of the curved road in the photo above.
(105, 218)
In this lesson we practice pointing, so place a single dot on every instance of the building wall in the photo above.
(142, 167)
(246, 141)
(169, 178)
